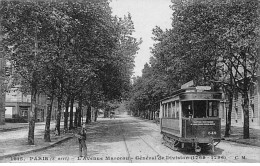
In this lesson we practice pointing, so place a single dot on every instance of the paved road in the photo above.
(127, 139)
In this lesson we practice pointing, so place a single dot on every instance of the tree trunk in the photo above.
(88, 118)
(32, 116)
(71, 112)
(228, 118)
(59, 114)
(245, 106)
(66, 113)
(80, 112)
(79, 118)
(96, 115)
(47, 137)
(76, 118)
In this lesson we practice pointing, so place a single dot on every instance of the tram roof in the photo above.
(188, 89)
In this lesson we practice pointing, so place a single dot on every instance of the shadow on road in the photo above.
(129, 129)
(113, 130)
(204, 152)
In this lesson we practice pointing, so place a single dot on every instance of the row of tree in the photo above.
(214, 43)
(70, 51)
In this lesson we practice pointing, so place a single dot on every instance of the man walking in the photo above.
(82, 136)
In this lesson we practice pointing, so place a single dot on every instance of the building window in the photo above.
(252, 105)
(236, 113)
(236, 95)
(252, 90)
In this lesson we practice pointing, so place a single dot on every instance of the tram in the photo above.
(190, 119)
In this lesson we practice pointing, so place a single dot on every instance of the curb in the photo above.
(36, 150)
(12, 129)
(237, 141)
(17, 128)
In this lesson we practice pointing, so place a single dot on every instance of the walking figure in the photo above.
(112, 115)
(82, 136)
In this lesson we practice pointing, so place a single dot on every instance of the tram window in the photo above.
(213, 108)
(169, 110)
(210, 109)
(187, 109)
(164, 110)
(177, 109)
(173, 110)
(199, 109)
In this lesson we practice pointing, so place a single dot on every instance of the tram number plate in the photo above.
(212, 133)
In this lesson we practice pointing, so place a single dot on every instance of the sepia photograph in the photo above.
(129, 81)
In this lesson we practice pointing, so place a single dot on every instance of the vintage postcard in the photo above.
(129, 81)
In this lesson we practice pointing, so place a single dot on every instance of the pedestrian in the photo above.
(56, 129)
(82, 136)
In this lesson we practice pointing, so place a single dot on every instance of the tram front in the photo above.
(201, 125)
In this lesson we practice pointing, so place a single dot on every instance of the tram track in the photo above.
(144, 140)
(127, 150)
(197, 154)
(152, 148)
(151, 137)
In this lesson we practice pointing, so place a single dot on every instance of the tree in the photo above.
(23, 27)
(207, 34)
(241, 56)
(74, 50)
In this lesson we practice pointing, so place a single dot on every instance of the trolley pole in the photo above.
(2, 77)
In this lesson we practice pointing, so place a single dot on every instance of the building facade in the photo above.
(17, 106)
(237, 116)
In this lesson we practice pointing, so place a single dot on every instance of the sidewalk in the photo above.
(16, 126)
(237, 136)
(13, 139)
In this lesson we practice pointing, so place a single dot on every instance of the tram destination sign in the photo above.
(200, 96)
(201, 123)
(203, 87)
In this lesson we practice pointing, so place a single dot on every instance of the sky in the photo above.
(146, 14)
